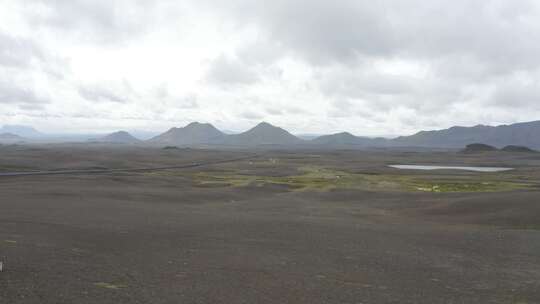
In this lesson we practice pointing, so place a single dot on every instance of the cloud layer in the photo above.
(312, 66)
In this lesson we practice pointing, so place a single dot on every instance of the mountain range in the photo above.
(520, 134)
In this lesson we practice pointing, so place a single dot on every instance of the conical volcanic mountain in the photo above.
(194, 133)
(120, 137)
(263, 134)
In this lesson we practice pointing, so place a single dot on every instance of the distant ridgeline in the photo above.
(479, 148)
(520, 137)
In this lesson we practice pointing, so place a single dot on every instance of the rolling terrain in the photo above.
(312, 226)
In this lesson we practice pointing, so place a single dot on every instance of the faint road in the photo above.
(102, 171)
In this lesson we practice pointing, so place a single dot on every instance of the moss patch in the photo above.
(109, 285)
(325, 179)
(463, 186)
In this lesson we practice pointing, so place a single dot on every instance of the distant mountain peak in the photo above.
(197, 124)
(262, 134)
(265, 125)
(121, 137)
(193, 133)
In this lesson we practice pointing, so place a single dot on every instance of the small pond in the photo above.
(476, 169)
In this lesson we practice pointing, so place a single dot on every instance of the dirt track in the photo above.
(160, 238)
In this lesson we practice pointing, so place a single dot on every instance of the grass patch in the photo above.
(109, 285)
(463, 186)
(325, 179)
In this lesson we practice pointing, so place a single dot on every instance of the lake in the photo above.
(429, 167)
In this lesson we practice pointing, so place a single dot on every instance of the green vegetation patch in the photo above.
(325, 179)
(109, 285)
(463, 186)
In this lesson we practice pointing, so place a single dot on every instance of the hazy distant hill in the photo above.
(518, 149)
(478, 148)
(120, 137)
(194, 133)
(10, 138)
(344, 138)
(23, 131)
(347, 139)
(263, 134)
(521, 134)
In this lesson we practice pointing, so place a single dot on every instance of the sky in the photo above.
(373, 68)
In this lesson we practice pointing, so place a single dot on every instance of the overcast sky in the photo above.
(311, 66)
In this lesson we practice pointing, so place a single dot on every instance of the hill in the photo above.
(120, 137)
(194, 133)
(10, 138)
(23, 131)
(520, 134)
(263, 134)
(518, 149)
(344, 138)
(478, 148)
(347, 139)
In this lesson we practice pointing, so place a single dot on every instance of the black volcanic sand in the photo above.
(161, 237)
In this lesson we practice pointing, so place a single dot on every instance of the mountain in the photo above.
(194, 133)
(263, 134)
(120, 137)
(23, 131)
(10, 138)
(520, 134)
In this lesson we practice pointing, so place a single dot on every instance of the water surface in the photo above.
(429, 167)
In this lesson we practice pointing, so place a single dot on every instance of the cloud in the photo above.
(96, 21)
(350, 31)
(369, 66)
(18, 52)
(226, 71)
(251, 115)
(119, 92)
(519, 91)
(17, 94)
